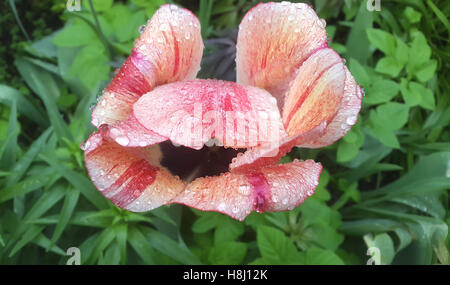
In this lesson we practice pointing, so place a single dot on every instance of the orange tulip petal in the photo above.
(273, 40)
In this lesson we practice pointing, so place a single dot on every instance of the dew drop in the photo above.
(285, 201)
(221, 206)
(141, 29)
(123, 140)
(244, 189)
(351, 120)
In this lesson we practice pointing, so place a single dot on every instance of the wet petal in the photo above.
(190, 113)
(258, 157)
(130, 177)
(345, 117)
(272, 188)
(169, 49)
(273, 40)
(316, 92)
(131, 133)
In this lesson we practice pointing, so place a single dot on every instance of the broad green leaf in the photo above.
(426, 95)
(275, 247)
(75, 35)
(419, 53)
(401, 51)
(90, 66)
(412, 15)
(389, 65)
(318, 256)
(228, 253)
(426, 71)
(382, 40)
(381, 91)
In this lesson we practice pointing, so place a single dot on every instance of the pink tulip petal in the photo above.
(130, 177)
(345, 117)
(192, 112)
(272, 188)
(316, 92)
(169, 49)
(258, 157)
(131, 133)
(273, 41)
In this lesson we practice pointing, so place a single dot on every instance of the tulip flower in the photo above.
(165, 137)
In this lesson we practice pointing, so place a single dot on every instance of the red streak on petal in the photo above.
(307, 92)
(142, 175)
(129, 82)
(261, 190)
(176, 53)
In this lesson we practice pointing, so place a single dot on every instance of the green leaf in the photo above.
(389, 66)
(99, 5)
(401, 51)
(228, 253)
(121, 238)
(357, 44)
(382, 40)
(141, 245)
(426, 71)
(275, 247)
(68, 207)
(9, 149)
(412, 15)
(44, 85)
(169, 247)
(318, 256)
(31, 233)
(8, 95)
(18, 170)
(425, 94)
(75, 35)
(381, 91)
(78, 181)
(359, 72)
(419, 53)
(91, 66)
(25, 186)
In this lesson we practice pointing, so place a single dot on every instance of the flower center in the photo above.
(190, 164)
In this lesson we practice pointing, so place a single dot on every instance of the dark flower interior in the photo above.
(190, 164)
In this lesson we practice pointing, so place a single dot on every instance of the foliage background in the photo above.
(385, 183)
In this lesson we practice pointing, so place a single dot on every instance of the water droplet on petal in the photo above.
(123, 140)
(351, 120)
(141, 29)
